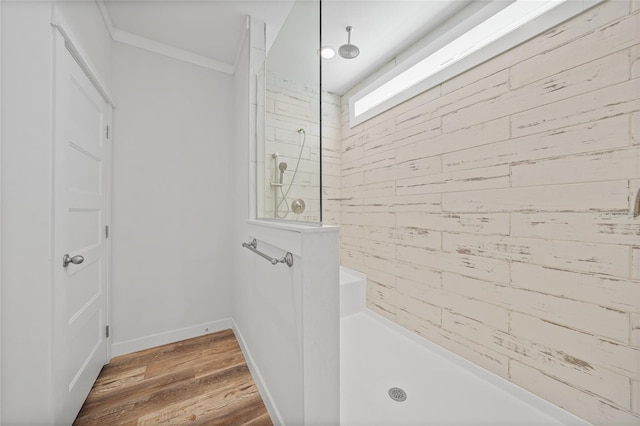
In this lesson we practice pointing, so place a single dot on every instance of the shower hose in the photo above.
(283, 200)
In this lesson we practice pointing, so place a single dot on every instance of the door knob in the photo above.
(76, 260)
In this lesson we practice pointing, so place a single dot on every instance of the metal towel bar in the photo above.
(253, 246)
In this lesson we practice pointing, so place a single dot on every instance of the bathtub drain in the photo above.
(397, 394)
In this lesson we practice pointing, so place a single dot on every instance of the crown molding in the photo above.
(245, 35)
(154, 46)
(106, 17)
(170, 51)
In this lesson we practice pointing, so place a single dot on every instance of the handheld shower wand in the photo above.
(282, 167)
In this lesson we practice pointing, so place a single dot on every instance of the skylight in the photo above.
(505, 22)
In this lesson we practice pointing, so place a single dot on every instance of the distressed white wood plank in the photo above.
(598, 196)
(585, 78)
(471, 328)
(467, 180)
(405, 170)
(565, 366)
(387, 220)
(421, 133)
(406, 236)
(330, 168)
(384, 278)
(370, 162)
(473, 266)
(419, 290)
(352, 153)
(482, 134)
(588, 406)
(486, 314)
(476, 91)
(412, 321)
(635, 330)
(635, 263)
(592, 167)
(635, 61)
(578, 315)
(581, 257)
(490, 223)
(418, 111)
(619, 34)
(474, 288)
(605, 227)
(374, 130)
(382, 300)
(635, 392)
(365, 164)
(419, 308)
(372, 190)
(582, 316)
(354, 179)
(351, 258)
(404, 203)
(615, 293)
(617, 357)
(373, 247)
(352, 140)
(418, 274)
(352, 206)
(472, 351)
(381, 264)
(619, 99)
(356, 231)
(586, 137)
(466, 87)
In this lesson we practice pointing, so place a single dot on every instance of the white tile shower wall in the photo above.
(289, 106)
(492, 213)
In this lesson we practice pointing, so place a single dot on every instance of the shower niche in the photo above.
(289, 121)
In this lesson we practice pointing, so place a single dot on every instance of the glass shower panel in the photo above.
(289, 121)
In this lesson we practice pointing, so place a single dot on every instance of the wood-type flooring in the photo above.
(199, 381)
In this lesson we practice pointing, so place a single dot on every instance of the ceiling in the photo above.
(380, 29)
(215, 29)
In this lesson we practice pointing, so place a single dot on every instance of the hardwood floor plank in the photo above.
(204, 380)
(223, 401)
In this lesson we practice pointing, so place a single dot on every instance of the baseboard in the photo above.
(257, 377)
(146, 342)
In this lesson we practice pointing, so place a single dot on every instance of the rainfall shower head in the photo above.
(348, 51)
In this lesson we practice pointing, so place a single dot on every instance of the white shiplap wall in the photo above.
(492, 213)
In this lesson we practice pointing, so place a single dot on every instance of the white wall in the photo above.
(288, 318)
(26, 206)
(172, 192)
(26, 117)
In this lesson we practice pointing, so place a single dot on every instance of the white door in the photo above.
(80, 212)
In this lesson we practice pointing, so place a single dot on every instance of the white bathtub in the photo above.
(442, 388)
